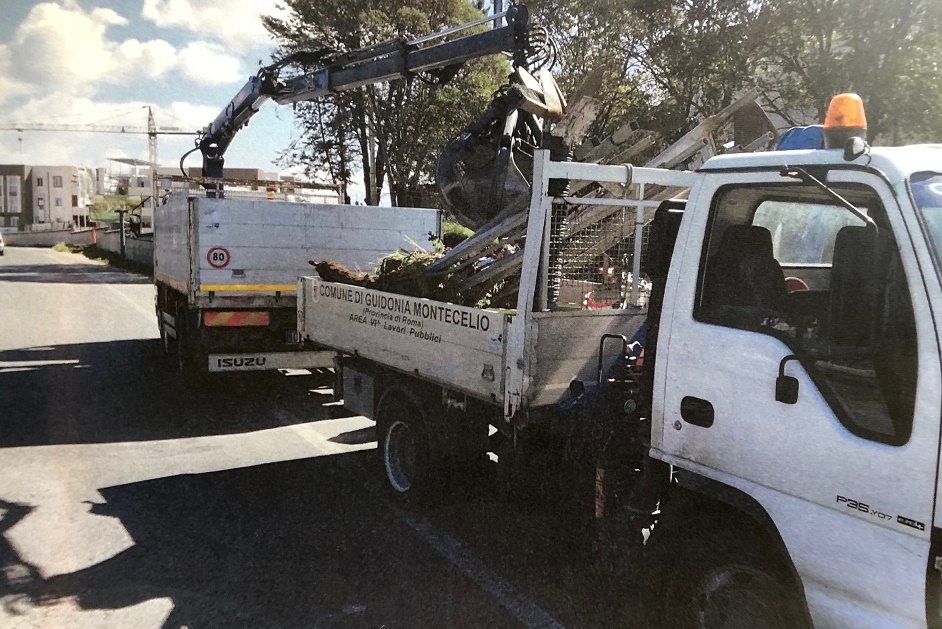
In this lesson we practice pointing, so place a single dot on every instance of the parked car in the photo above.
(1, 244)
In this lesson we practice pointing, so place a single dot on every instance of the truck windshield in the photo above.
(926, 189)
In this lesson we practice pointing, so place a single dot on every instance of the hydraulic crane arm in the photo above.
(330, 72)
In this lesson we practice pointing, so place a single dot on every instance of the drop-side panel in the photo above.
(564, 346)
(171, 244)
(456, 346)
(257, 246)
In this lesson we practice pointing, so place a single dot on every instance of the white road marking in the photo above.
(115, 288)
(524, 610)
(527, 612)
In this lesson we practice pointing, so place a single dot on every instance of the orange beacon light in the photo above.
(845, 119)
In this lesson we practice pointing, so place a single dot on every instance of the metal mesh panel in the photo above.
(592, 256)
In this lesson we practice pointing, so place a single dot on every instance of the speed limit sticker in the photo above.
(218, 257)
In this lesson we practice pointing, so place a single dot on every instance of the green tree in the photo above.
(695, 56)
(391, 132)
(670, 62)
(888, 51)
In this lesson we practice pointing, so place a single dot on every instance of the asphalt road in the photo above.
(128, 501)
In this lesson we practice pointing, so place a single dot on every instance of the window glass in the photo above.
(57, 181)
(926, 189)
(854, 332)
(803, 233)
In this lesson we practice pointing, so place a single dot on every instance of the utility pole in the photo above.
(152, 154)
(122, 239)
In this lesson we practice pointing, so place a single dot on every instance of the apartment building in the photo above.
(15, 197)
(57, 197)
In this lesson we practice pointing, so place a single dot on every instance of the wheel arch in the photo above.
(749, 517)
(419, 397)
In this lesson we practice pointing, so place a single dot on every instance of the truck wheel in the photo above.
(164, 337)
(404, 449)
(186, 355)
(705, 573)
(746, 595)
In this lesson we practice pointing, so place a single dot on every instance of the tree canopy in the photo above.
(674, 61)
(668, 63)
(392, 132)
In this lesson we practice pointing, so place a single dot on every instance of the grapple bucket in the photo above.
(478, 174)
(478, 182)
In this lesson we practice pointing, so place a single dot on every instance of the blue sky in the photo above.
(103, 61)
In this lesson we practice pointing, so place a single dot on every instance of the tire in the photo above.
(165, 341)
(745, 594)
(186, 355)
(405, 455)
(707, 573)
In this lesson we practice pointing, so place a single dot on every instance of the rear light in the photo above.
(235, 318)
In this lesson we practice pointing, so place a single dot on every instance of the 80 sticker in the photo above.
(218, 257)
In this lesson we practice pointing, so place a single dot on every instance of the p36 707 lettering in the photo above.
(863, 508)
(853, 504)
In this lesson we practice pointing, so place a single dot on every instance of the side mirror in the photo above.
(854, 148)
(786, 387)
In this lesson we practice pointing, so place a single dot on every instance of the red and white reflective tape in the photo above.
(235, 318)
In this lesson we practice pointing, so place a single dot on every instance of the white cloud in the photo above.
(71, 63)
(189, 115)
(105, 16)
(60, 47)
(63, 45)
(10, 87)
(208, 64)
(135, 59)
(237, 23)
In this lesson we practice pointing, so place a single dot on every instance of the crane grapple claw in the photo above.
(477, 174)
(479, 183)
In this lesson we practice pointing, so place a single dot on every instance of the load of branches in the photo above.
(406, 273)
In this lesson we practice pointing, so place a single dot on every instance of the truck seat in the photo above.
(743, 274)
(858, 277)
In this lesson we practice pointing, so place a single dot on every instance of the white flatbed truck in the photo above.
(781, 440)
(226, 272)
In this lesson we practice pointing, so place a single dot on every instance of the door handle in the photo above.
(695, 411)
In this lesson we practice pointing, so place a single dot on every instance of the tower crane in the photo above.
(151, 131)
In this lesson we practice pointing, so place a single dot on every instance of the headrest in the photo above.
(747, 240)
(853, 238)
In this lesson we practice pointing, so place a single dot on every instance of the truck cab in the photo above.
(798, 372)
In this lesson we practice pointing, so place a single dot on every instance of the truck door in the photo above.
(779, 279)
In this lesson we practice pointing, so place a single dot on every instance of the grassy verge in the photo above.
(96, 253)
(105, 208)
